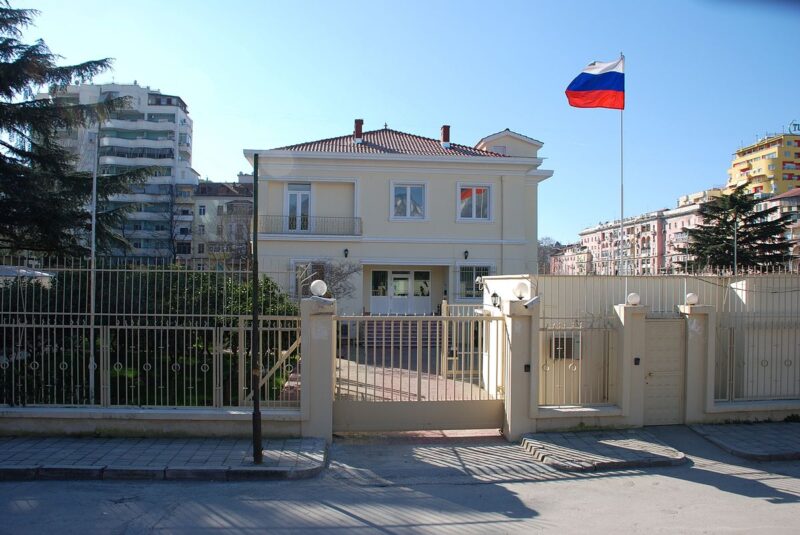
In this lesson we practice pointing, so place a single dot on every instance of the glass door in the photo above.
(400, 288)
(299, 202)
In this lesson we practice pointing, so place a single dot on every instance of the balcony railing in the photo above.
(329, 226)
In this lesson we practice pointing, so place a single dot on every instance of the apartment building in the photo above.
(789, 203)
(223, 213)
(156, 132)
(573, 259)
(640, 253)
(770, 166)
(421, 217)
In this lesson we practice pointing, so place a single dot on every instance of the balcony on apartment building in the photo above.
(322, 226)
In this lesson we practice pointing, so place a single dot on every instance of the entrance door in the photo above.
(665, 355)
(399, 298)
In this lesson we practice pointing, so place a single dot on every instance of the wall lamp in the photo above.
(346, 253)
(466, 255)
(495, 300)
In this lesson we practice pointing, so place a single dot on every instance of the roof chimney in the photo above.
(358, 132)
(445, 140)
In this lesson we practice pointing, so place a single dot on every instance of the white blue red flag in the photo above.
(599, 85)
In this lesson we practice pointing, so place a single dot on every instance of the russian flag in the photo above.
(600, 85)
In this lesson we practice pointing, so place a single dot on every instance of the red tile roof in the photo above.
(388, 141)
(794, 192)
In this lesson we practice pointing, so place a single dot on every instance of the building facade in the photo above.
(789, 203)
(770, 166)
(641, 251)
(154, 131)
(419, 218)
(573, 259)
(222, 222)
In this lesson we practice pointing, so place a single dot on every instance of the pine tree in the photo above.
(731, 222)
(43, 200)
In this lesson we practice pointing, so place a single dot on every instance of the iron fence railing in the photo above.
(421, 358)
(159, 335)
(328, 226)
(757, 324)
(578, 363)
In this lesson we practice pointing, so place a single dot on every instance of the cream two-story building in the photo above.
(421, 217)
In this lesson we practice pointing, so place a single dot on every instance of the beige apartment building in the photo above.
(421, 218)
(770, 166)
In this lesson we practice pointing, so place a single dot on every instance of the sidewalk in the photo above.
(213, 459)
(773, 441)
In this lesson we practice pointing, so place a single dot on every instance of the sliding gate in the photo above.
(403, 373)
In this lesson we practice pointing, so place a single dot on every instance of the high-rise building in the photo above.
(155, 131)
(770, 166)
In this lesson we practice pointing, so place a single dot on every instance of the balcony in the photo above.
(320, 226)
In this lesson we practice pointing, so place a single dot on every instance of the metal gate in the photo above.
(403, 373)
(665, 364)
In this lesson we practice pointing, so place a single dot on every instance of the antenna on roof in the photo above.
(385, 126)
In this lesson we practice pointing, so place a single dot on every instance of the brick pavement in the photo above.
(767, 441)
(157, 458)
(589, 451)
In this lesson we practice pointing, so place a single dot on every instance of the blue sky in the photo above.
(702, 78)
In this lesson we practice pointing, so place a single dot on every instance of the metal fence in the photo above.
(420, 358)
(159, 335)
(758, 332)
(758, 338)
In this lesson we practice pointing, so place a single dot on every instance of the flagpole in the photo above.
(621, 191)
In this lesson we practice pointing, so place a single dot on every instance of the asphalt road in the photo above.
(404, 484)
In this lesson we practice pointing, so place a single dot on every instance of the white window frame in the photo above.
(311, 204)
(201, 210)
(473, 185)
(409, 183)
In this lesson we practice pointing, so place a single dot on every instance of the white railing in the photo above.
(420, 358)
(160, 336)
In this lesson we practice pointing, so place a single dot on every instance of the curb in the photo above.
(177, 473)
(744, 454)
(532, 446)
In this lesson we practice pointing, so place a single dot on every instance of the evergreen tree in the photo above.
(43, 200)
(731, 222)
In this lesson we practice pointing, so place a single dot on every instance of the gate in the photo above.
(404, 373)
(665, 364)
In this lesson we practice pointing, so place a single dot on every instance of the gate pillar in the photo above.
(521, 395)
(630, 370)
(701, 340)
(318, 342)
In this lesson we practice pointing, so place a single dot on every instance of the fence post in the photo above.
(105, 366)
(701, 350)
(521, 392)
(630, 370)
(318, 345)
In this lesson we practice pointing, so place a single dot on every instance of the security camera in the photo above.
(530, 302)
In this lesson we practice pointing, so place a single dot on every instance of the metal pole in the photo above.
(735, 242)
(621, 195)
(255, 351)
(93, 268)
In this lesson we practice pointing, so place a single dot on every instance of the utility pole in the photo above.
(255, 349)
